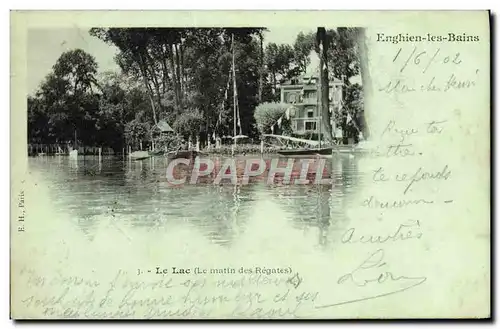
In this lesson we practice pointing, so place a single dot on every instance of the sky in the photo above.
(46, 45)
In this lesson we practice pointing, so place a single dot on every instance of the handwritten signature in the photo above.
(374, 262)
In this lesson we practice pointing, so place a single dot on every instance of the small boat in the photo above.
(139, 155)
(156, 153)
(350, 150)
(306, 152)
(325, 152)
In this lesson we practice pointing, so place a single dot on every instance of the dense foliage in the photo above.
(182, 76)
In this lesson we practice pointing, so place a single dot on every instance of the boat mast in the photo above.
(319, 88)
(319, 107)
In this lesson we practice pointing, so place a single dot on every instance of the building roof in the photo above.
(164, 127)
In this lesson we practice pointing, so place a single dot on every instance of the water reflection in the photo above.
(136, 194)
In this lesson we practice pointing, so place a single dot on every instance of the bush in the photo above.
(188, 123)
(137, 132)
(170, 141)
(266, 114)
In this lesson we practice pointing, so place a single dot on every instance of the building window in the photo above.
(310, 94)
(291, 98)
(310, 125)
(310, 113)
(300, 125)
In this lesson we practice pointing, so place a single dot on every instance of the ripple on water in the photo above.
(135, 195)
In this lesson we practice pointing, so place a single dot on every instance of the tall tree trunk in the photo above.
(183, 73)
(148, 87)
(365, 80)
(178, 73)
(174, 77)
(156, 84)
(166, 79)
(274, 83)
(261, 66)
(326, 128)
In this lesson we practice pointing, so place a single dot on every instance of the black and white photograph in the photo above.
(110, 115)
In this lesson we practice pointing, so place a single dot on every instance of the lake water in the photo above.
(135, 194)
(97, 220)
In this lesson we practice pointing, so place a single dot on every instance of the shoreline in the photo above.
(224, 150)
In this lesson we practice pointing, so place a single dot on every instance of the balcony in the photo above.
(305, 125)
(310, 101)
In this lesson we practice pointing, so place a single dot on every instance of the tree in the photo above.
(66, 101)
(343, 52)
(365, 78)
(267, 114)
(119, 104)
(183, 76)
(261, 66)
(189, 68)
(78, 68)
(322, 41)
(188, 123)
(354, 105)
(344, 63)
(302, 48)
(280, 62)
(38, 125)
(137, 131)
(134, 57)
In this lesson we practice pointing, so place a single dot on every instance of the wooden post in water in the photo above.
(129, 156)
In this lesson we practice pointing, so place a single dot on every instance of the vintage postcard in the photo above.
(250, 165)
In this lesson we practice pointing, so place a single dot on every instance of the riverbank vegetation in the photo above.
(181, 76)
